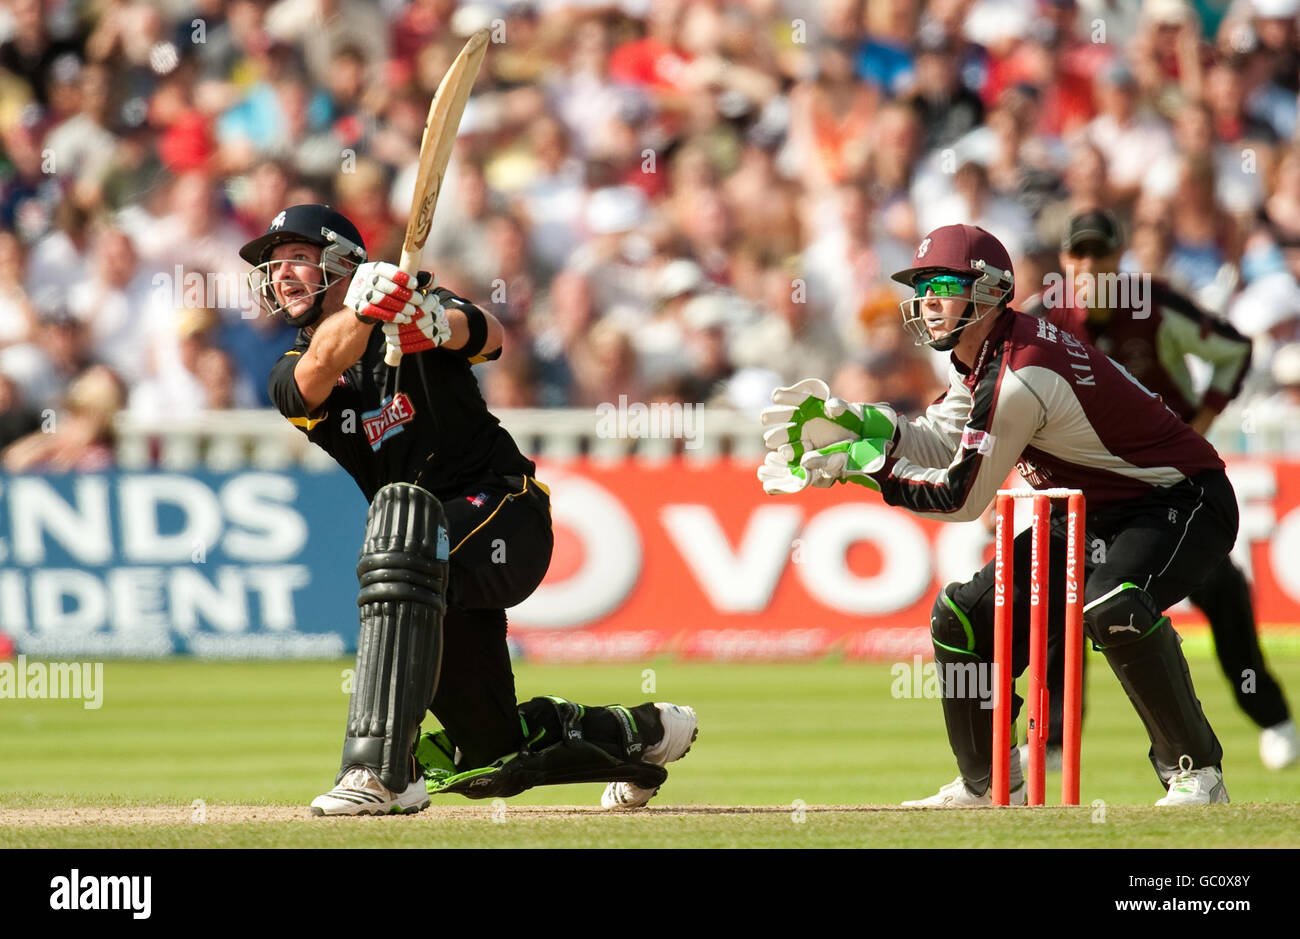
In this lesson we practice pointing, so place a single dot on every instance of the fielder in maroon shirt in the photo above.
(1025, 394)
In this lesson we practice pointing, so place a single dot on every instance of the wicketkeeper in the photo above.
(458, 530)
(1024, 394)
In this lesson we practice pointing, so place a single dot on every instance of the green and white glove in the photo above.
(780, 477)
(848, 461)
(805, 418)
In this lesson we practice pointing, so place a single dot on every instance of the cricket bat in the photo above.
(435, 151)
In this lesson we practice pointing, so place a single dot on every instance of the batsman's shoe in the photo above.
(360, 792)
(955, 795)
(1279, 745)
(680, 730)
(1195, 786)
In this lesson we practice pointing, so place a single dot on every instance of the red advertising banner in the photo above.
(696, 561)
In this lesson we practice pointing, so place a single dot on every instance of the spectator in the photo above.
(29, 196)
(1206, 239)
(1236, 181)
(81, 440)
(830, 119)
(552, 199)
(112, 302)
(1282, 207)
(946, 107)
(845, 261)
(17, 419)
(82, 146)
(790, 337)
(189, 384)
(322, 27)
(564, 321)
(17, 315)
(31, 51)
(44, 370)
(1130, 140)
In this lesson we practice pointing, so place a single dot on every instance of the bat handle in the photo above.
(410, 263)
(393, 356)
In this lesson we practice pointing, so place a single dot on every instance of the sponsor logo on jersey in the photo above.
(478, 500)
(388, 419)
(1032, 474)
(979, 440)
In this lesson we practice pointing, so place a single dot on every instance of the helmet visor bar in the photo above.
(277, 293)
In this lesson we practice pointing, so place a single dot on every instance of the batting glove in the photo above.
(805, 418)
(849, 461)
(383, 292)
(427, 330)
(781, 478)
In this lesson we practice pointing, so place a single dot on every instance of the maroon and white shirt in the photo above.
(1040, 401)
(1152, 338)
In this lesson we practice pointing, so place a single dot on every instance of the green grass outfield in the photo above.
(812, 755)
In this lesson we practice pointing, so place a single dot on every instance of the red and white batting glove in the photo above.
(384, 292)
(427, 329)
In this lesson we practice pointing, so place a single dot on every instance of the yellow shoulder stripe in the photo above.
(476, 359)
(293, 352)
(307, 423)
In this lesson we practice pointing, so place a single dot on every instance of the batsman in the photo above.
(459, 529)
(1025, 394)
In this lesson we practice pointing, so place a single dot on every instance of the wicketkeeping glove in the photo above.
(805, 418)
(848, 461)
(781, 478)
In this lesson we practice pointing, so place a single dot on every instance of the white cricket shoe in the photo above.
(680, 730)
(1195, 786)
(955, 795)
(1279, 745)
(360, 792)
(1051, 761)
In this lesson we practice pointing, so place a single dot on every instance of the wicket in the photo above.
(1037, 699)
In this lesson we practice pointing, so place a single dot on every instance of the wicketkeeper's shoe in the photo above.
(680, 730)
(1279, 745)
(360, 792)
(1195, 786)
(955, 795)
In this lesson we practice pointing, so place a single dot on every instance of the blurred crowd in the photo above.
(676, 201)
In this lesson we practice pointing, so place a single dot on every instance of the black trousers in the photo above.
(1167, 543)
(501, 542)
(1225, 600)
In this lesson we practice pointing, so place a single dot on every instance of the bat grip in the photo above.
(410, 263)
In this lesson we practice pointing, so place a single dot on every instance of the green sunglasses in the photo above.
(943, 285)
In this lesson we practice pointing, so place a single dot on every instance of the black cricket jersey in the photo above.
(428, 426)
